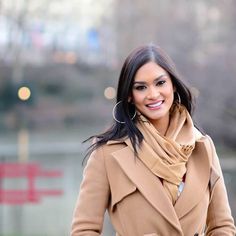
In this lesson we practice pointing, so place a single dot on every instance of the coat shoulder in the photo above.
(104, 152)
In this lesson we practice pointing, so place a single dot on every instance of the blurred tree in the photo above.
(199, 37)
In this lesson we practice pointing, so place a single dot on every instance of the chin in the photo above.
(157, 116)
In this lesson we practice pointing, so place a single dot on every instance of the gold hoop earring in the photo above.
(114, 113)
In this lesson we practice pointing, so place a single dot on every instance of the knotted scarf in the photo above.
(166, 155)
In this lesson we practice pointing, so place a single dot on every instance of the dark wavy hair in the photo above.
(125, 111)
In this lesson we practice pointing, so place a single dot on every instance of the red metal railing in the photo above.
(31, 194)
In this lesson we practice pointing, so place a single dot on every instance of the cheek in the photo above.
(170, 92)
(137, 97)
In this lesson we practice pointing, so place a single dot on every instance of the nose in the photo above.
(153, 93)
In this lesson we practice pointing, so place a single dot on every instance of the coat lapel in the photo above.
(196, 182)
(148, 184)
(197, 178)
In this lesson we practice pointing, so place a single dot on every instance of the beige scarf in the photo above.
(167, 156)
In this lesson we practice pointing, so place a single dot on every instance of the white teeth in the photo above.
(155, 105)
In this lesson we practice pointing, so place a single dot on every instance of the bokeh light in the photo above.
(109, 93)
(24, 93)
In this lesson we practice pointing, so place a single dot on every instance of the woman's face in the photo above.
(153, 92)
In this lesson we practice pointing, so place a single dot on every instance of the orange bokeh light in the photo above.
(24, 93)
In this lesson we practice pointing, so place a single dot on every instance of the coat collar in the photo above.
(147, 183)
(197, 179)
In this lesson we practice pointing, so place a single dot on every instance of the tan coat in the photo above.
(136, 200)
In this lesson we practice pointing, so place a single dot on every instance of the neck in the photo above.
(161, 124)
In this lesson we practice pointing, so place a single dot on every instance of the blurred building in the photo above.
(57, 31)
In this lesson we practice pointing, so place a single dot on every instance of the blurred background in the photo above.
(59, 66)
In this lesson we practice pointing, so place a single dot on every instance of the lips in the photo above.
(156, 104)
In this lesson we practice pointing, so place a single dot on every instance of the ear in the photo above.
(129, 99)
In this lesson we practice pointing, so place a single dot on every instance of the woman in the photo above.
(153, 171)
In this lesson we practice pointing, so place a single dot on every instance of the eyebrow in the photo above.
(143, 82)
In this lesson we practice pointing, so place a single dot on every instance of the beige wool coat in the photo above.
(138, 204)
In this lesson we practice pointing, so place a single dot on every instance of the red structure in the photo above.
(30, 171)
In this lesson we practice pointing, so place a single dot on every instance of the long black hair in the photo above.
(125, 110)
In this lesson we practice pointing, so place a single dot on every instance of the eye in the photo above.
(160, 82)
(140, 87)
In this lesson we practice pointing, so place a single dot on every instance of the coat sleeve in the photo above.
(93, 198)
(219, 219)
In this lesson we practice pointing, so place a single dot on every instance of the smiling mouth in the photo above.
(155, 105)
